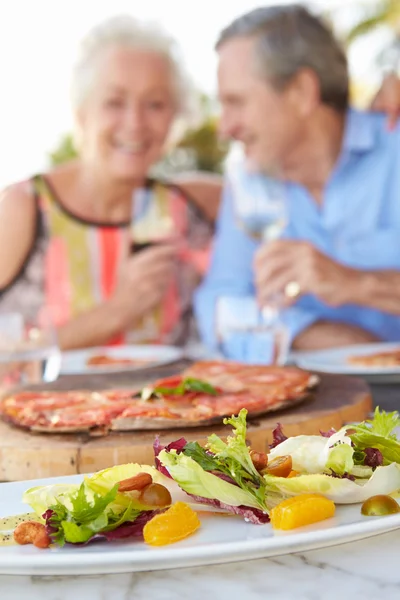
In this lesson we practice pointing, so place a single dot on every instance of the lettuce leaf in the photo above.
(194, 480)
(317, 454)
(384, 480)
(340, 459)
(229, 461)
(87, 517)
(103, 481)
(377, 433)
(235, 452)
(41, 497)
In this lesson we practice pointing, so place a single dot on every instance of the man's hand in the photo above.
(281, 262)
(387, 100)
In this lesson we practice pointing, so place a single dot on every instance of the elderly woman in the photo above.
(284, 88)
(67, 237)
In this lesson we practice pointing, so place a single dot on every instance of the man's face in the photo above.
(264, 119)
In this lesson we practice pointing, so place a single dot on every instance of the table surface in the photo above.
(363, 570)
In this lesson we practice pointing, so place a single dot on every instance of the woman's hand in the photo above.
(284, 262)
(143, 280)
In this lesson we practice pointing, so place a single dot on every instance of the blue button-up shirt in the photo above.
(358, 225)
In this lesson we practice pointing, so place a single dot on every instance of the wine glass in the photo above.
(260, 210)
(150, 224)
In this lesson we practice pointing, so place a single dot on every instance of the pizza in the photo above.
(105, 360)
(389, 358)
(201, 395)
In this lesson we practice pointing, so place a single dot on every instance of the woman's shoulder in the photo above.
(18, 224)
(17, 199)
(202, 190)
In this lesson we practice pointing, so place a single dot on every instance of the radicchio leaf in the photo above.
(126, 530)
(130, 528)
(50, 529)
(177, 445)
(373, 457)
(224, 477)
(252, 515)
(277, 436)
(328, 434)
(344, 476)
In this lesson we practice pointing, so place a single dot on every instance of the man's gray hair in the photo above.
(126, 32)
(289, 38)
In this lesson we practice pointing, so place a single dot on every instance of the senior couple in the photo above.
(66, 237)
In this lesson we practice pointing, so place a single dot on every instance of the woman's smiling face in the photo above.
(126, 117)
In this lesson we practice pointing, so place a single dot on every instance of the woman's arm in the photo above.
(204, 189)
(18, 215)
(93, 327)
(142, 282)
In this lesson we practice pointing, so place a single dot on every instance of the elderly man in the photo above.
(284, 90)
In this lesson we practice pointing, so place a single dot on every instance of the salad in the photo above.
(112, 504)
(345, 466)
(298, 482)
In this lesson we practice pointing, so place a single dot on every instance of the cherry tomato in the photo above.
(378, 506)
(280, 466)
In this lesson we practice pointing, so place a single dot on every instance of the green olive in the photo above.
(378, 506)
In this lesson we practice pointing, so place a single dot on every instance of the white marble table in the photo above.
(364, 570)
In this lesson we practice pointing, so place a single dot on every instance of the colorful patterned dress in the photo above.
(73, 263)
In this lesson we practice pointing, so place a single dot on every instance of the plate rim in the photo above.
(315, 359)
(177, 352)
(117, 560)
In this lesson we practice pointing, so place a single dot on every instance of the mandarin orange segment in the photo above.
(301, 510)
(175, 524)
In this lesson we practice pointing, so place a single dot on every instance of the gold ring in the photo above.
(292, 289)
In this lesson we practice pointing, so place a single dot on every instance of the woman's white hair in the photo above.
(126, 31)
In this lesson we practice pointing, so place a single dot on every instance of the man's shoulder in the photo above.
(376, 127)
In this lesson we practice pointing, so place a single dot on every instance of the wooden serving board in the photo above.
(23, 455)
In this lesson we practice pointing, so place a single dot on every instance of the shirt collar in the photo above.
(359, 132)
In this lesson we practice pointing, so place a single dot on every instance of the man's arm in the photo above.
(327, 334)
(379, 290)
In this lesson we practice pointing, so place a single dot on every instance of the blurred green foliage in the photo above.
(64, 152)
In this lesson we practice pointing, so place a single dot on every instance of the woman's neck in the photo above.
(109, 200)
(90, 195)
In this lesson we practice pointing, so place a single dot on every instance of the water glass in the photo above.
(239, 317)
(29, 353)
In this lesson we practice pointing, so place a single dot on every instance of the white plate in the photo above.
(220, 539)
(335, 361)
(74, 361)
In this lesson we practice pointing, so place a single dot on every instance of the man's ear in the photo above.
(304, 92)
